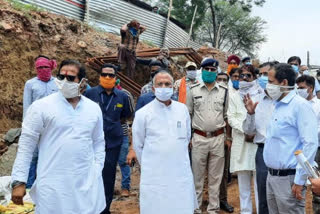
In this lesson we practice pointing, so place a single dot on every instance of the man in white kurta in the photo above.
(71, 147)
(161, 134)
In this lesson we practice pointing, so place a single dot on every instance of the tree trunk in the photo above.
(214, 24)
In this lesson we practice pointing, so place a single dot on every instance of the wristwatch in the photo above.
(229, 138)
(16, 183)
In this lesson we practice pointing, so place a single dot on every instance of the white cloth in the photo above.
(257, 123)
(253, 89)
(161, 135)
(244, 182)
(242, 153)
(71, 155)
(315, 103)
(36, 89)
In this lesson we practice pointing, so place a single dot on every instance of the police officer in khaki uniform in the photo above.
(207, 103)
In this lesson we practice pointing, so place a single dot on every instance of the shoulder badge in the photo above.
(195, 85)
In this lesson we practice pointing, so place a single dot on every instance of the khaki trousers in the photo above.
(224, 182)
(208, 152)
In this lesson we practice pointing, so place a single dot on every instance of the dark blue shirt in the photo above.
(144, 100)
(114, 107)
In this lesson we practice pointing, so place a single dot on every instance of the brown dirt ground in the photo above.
(130, 205)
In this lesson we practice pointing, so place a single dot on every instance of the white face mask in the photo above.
(163, 94)
(306, 72)
(275, 91)
(303, 92)
(192, 74)
(68, 89)
(246, 85)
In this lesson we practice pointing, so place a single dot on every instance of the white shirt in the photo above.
(71, 155)
(257, 123)
(315, 102)
(36, 89)
(161, 135)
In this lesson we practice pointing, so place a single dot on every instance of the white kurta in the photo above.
(71, 155)
(161, 135)
(242, 153)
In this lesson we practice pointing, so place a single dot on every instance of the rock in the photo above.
(82, 44)
(6, 26)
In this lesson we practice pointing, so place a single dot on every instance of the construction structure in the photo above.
(131, 85)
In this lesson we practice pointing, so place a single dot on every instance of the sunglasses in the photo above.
(222, 80)
(242, 76)
(108, 75)
(69, 77)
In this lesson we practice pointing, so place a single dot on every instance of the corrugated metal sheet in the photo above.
(71, 8)
(111, 15)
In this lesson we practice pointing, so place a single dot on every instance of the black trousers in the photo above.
(262, 173)
(109, 175)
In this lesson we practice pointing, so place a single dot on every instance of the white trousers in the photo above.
(244, 182)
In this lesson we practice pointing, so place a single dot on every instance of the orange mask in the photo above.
(107, 82)
(230, 67)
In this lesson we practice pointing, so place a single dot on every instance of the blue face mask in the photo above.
(235, 84)
(248, 63)
(133, 31)
(295, 68)
(209, 77)
(263, 80)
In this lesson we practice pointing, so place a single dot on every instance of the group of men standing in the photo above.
(202, 123)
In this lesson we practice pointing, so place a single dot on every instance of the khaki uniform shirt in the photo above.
(206, 107)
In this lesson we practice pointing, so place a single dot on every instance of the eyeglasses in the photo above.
(69, 77)
(108, 75)
(222, 80)
(212, 69)
(165, 84)
(248, 76)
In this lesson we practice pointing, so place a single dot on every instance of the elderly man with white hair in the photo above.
(161, 134)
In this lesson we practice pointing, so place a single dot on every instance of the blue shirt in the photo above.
(114, 107)
(293, 127)
(144, 99)
(36, 89)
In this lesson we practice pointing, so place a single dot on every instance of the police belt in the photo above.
(210, 134)
(281, 172)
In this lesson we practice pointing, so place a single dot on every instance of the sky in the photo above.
(292, 29)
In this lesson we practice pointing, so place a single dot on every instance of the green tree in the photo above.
(234, 30)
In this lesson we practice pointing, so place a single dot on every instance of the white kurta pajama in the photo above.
(71, 155)
(242, 160)
(161, 135)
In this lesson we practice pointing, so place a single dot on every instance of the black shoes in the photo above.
(226, 207)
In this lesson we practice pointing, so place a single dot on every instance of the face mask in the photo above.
(263, 80)
(107, 82)
(248, 63)
(133, 31)
(306, 72)
(295, 68)
(318, 78)
(209, 77)
(235, 84)
(191, 74)
(303, 92)
(230, 67)
(275, 91)
(246, 85)
(44, 74)
(163, 94)
(68, 89)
